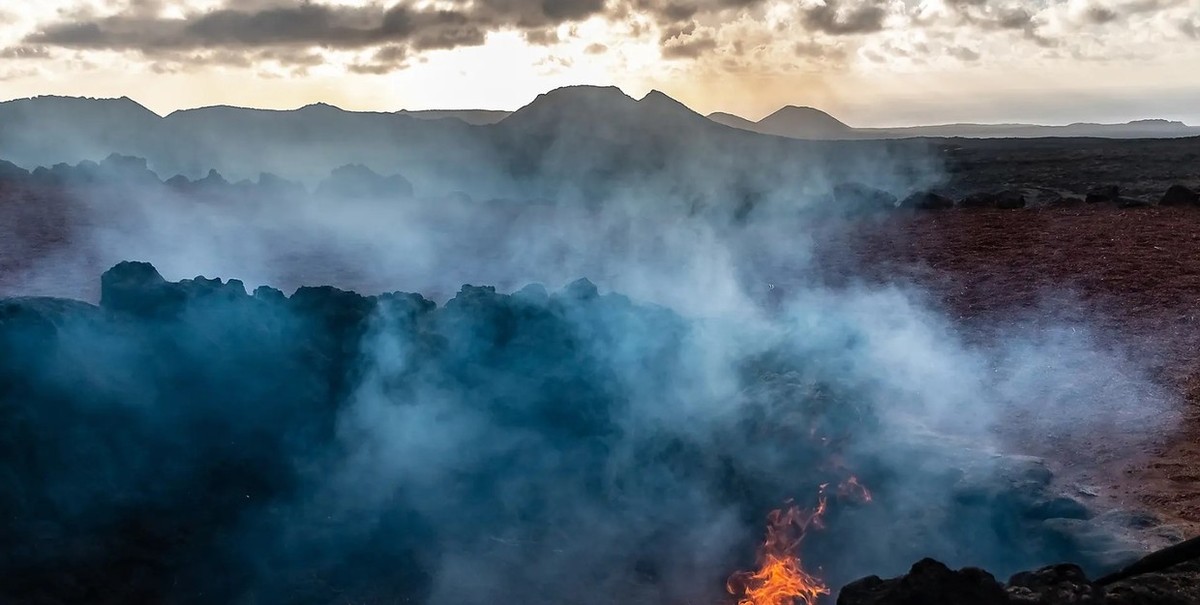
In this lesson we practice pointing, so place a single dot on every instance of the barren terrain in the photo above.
(1132, 275)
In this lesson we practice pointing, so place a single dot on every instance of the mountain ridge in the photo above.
(791, 121)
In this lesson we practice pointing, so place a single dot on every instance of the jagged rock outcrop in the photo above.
(930, 582)
(358, 181)
(127, 169)
(1179, 195)
(146, 441)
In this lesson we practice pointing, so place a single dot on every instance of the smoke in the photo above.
(563, 443)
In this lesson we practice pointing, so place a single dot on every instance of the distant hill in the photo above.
(583, 143)
(808, 123)
(791, 121)
(474, 117)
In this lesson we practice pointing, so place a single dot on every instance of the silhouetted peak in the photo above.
(604, 108)
(1158, 123)
(213, 178)
(659, 101)
(729, 119)
(800, 112)
(321, 107)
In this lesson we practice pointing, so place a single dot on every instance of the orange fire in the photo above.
(781, 579)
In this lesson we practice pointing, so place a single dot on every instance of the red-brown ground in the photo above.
(1132, 273)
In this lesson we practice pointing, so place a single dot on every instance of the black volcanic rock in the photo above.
(1179, 195)
(926, 200)
(929, 582)
(127, 169)
(1064, 584)
(137, 288)
(187, 442)
(1009, 199)
(1107, 193)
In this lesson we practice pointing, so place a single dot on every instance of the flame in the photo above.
(781, 579)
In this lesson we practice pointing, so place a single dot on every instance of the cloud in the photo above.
(595, 49)
(24, 52)
(1100, 15)
(307, 24)
(1190, 28)
(542, 37)
(386, 60)
(830, 18)
(963, 53)
(685, 41)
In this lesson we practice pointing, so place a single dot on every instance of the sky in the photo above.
(868, 62)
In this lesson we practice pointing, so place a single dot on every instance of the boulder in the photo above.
(1010, 200)
(1106, 193)
(1178, 195)
(979, 199)
(929, 582)
(1177, 585)
(926, 200)
(1064, 584)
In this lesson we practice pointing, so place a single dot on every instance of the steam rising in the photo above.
(564, 443)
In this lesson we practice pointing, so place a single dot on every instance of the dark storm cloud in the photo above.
(1017, 18)
(309, 24)
(831, 19)
(1100, 15)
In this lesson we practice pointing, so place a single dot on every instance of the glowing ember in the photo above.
(852, 489)
(781, 579)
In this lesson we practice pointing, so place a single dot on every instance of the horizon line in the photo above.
(512, 111)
